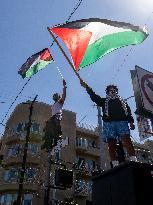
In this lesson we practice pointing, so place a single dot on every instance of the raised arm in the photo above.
(62, 99)
(94, 97)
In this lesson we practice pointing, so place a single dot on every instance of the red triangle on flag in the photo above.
(76, 40)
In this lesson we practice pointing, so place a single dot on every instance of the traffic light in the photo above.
(64, 178)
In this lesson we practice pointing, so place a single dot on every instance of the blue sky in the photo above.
(23, 32)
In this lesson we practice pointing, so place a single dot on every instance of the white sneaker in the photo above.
(133, 158)
(115, 163)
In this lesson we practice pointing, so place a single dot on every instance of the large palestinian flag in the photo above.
(35, 63)
(90, 39)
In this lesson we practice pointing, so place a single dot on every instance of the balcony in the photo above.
(84, 174)
(13, 139)
(14, 187)
(82, 189)
(31, 159)
(93, 151)
(87, 128)
(10, 179)
(20, 137)
(87, 146)
(81, 149)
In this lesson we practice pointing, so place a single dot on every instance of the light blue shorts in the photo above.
(115, 130)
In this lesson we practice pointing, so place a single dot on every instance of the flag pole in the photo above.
(72, 66)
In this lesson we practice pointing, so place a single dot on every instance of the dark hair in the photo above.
(56, 97)
(111, 86)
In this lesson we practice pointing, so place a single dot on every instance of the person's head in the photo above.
(111, 90)
(56, 97)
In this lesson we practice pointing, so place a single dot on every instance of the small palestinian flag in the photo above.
(90, 39)
(35, 63)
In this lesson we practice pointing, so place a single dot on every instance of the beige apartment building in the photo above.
(82, 155)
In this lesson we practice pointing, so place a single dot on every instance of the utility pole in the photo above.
(48, 180)
(23, 169)
(48, 185)
(103, 147)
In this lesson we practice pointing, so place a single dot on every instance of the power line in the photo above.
(74, 10)
(71, 14)
(10, 95)
(129, 52)
(129, 97)
(15, 99)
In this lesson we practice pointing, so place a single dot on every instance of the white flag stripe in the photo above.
(100, 29)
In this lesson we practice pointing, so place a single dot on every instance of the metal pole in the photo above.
(48, 178)
(23, 169)
(103, 147)
(68, 60)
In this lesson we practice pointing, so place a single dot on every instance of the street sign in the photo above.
(145, 127)
(143, 91)
(145, 80)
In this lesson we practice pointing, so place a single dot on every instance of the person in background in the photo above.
(53, 131)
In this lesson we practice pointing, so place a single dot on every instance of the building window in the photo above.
(81, 142)
(8, 199)
(19, 128)
(35, 128)
(11, 175)
(17, 149)
(14, 150)
(32, 148)
(90, 164)
(87, 164)
(57, 156)
(30, 174)
(82, 187)
(27, 199)
(81, 163)
(78, 141)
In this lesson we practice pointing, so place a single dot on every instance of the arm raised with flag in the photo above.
(94, 97)
(53, 130)
(116, 117)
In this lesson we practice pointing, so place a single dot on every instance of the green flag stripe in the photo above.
(108, 43)
(34, 69)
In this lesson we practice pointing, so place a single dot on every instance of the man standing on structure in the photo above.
(52, 129)
(116, 116)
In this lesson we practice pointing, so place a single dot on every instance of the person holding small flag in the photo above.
(53, 131)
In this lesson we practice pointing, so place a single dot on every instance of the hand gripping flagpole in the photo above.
(72, 66)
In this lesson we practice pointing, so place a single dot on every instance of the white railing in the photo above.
(87, 126)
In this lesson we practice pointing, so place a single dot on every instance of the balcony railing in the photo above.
(16, 138)
(82, 188)
(88, 127)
